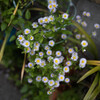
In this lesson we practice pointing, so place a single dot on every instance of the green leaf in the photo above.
(12, 38)
(95, 82)
(24, 89)
(19, 12)
(97, 68)
(27, 14)
(3, 26)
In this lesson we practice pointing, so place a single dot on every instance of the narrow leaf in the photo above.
(97, 68)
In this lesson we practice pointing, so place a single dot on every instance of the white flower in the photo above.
(51, 43)
(20, 38)
(61, 59)
(78, 17)
(30, 65)
(84, 43)
(46, 19)
(74, 56)
(58, 53)
(88, 14)
(28, 49)
(50, 1)
(34, 25)
(70, 50)
(66, 69)
(51, 18)
(51, 82)
(43, 63)
(27, 31)
(84, 24)
(49, 52)
(94, 33)
(46, 47)
(49, 92)
(56, 61)
(97, 26)
(78, 36)
(82, 65)
(26, 43)
(61, 77)
(40, 21)
(68, 63)
(32, 52)
(41, 54)
(52, 75)
(67, 80)
(83, 61)
(55, 5)
(79, 20)
(38, 61)
(65, 16)
(38, 78)
(84, 13)
(57, 84)
(37, 44)
(50, 6)
(36, 48)
(31, 38)
(53, 10)
(64, 36)
(49, 58)
(45, 79)
(30, 80)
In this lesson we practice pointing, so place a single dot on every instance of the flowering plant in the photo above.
(51, 49)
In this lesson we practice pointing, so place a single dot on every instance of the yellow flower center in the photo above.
(27, 31)
(51, 18)
(66, 80)
(41, 21)
(65, 16)
(49, 52)
(84, 43)
(20, 38)
(61, 77)
(74, 57)
(35, 25)
(56, 61)
(30, 65)
(27, 43)
(54, 5)
(66, 69)
(46, 20)
(50, 6)
(58, 53)
(83, 61)
(38, 61)
(51, 82)
(45, 79)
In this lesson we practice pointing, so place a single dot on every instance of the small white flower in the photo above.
(38, 78)
(67, 80)
(49, 52)
(27, 31)
(78, 17)
(88, 14)
(43, 63)
(49, 92)
(28, 49)
(97, 26)
(49, 58)
(51, 82)
(94, 33)
(45, 79)
(46, 47)
(26, 43)
(30, 80)
(70, 50)
(38, 61)
(41, 54)
(82, 65)
(36, 48)
(61, 59)
(20, 38)
(84, 43)
(37, 44)
(66, 69)
(61, 77)
(58, 53)
(83, 61)
(46, 19)
(65, 16)
(53, 10)
(64, 36)
(68, 63)
(84, 24)
(84, 13)
(34, 25)
(40, 21)
(32, 52)
(57, 84)
(50, 6)
(55, 5)
(30, 65)
(51, 43)
(52, 75)
(31, 38)
(51, 18)
(74, 56)
(78, 36)
(56, 61)
(79, 20)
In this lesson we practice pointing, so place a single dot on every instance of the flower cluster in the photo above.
(50, 56)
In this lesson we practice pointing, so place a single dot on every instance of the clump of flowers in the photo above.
(49, 52)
